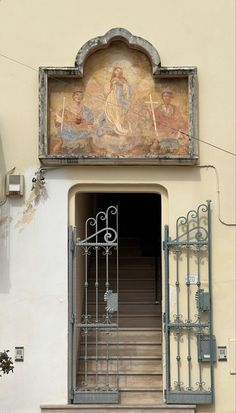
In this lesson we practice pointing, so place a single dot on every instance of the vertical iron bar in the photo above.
(167, 338)
(177, 304)
(96, 310)
(178, 315)
(188, 307)
(86, 320)
(96, 302)
(107, 319)
(198, 291)
(71, 364)
(74, 306)
(117, 290)
(210, 298)
(86, 251)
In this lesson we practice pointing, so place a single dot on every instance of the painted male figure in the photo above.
(170, 122)
(74, 122)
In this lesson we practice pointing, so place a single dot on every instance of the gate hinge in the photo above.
(72, 319)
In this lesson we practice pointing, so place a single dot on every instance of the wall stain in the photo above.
(4, 226)
(37, 195)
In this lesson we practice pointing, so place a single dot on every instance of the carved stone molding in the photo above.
(118, 119)
(102, 42)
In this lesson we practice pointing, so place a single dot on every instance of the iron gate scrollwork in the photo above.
(95, 331)
(190, 344)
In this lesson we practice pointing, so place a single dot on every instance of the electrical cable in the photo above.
(218, 194)
(190, 136)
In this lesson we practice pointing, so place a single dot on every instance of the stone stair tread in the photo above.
(119, 406)
(124, 358)
(141, 389)
(142, 406)
(133, 329)
(124, 373)
(121, 281)
(138, 315)
(127, 343)
(129, 302)
(140, 329)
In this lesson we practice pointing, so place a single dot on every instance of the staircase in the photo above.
(140, 342)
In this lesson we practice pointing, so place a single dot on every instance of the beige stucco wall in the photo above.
(33, 282)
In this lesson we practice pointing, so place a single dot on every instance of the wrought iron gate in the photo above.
(190, 345)
(94, 328)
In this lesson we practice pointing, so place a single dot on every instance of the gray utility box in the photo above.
(203, 300)
(206, 352)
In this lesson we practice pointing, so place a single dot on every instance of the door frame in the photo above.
(83, 188)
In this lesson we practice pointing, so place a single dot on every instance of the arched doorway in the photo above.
(139, 357)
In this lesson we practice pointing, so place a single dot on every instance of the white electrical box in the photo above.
(222, 353)
(19, 353)
(15, 185)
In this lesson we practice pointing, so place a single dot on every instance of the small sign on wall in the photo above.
(191, 279)
(19, 353)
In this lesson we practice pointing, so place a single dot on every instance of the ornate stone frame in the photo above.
(103, 42)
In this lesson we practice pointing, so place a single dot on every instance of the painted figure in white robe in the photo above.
(118, 103)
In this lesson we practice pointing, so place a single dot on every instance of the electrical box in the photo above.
(203, 300)
(19, 353)
(222, 353)
(205, 352)
(14, 185)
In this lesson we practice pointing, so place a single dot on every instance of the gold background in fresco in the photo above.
(141, 140)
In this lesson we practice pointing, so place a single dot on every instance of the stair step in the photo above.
(127, 335)
(141, 396)
(114, 408)
(144, 320)
(132, 251)
(128, 295)
(128, 307)
(128, 365)
(125, 261)
(130, 381)
(124, 349)
(133, 284)
(137, 320)
(124, 269)
(129, 241)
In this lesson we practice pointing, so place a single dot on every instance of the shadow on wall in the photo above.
(4, 228)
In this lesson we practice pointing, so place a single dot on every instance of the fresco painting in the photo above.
(118, 109)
